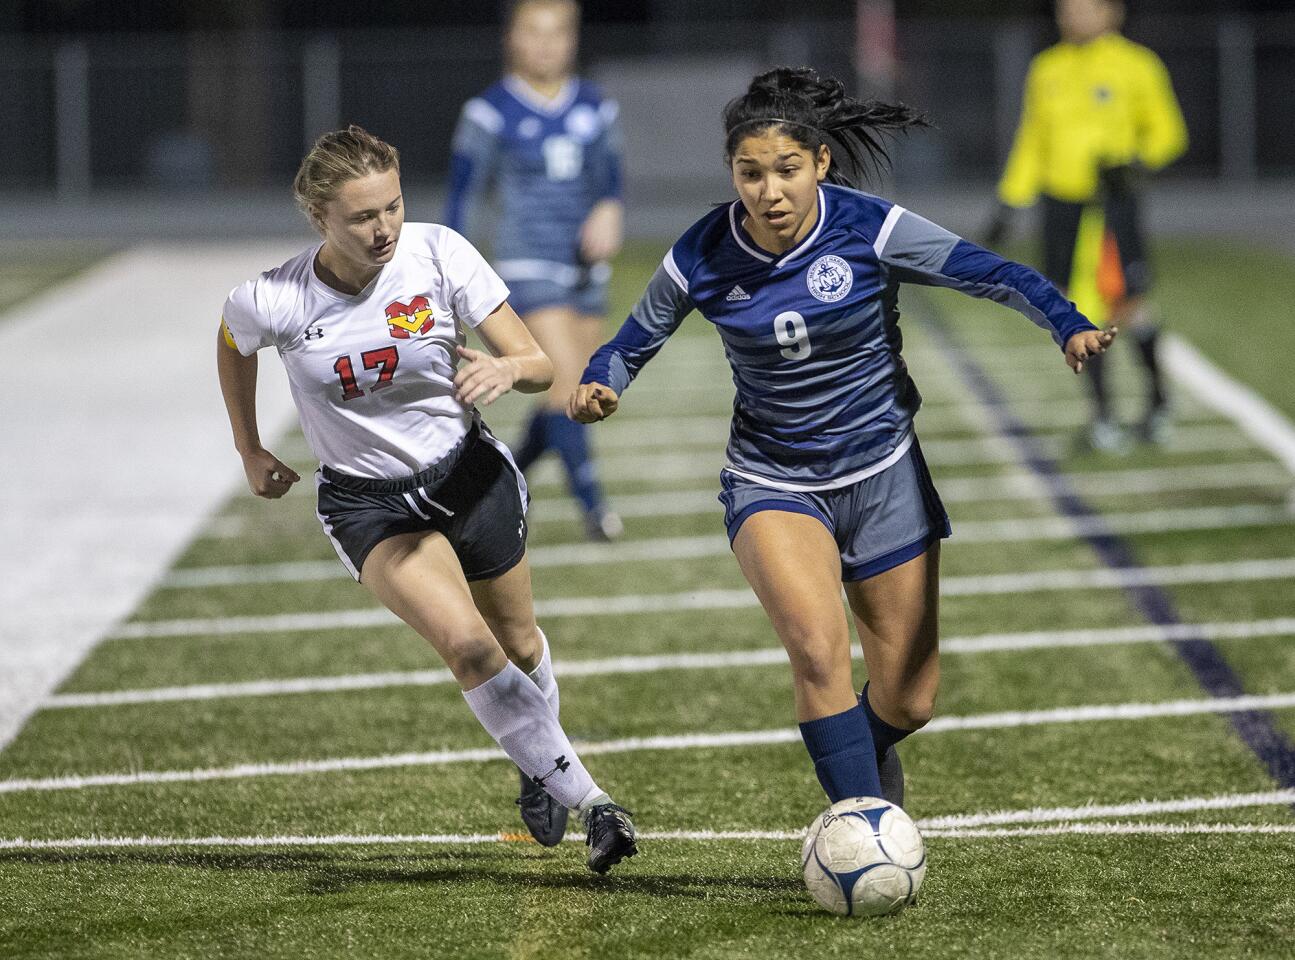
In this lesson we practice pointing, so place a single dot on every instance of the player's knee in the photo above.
(471, 654)
(914, 710)
(521, 641)
(816, 658)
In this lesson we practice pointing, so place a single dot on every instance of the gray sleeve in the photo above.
(919, 251)
(655, 317)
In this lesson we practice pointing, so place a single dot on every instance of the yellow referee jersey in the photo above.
(1105, 103)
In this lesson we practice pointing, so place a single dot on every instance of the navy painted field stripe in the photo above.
(1212, 671)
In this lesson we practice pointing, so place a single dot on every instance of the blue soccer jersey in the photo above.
(824, 398)
(551, 161)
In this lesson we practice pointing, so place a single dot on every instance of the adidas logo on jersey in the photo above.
(737, 293)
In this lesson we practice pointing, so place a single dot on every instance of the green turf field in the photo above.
(289, 788)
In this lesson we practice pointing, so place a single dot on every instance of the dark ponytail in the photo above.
(815, 110)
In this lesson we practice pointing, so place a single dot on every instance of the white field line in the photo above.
(1138, 808)
(711, 430)
(1261, 421)
(721, 599)
(1125, 712)
(655, 663)
(669, 466)
(697, 836)
(1019, 530)
(939, 452)
(1113, 829)
(1015, 485)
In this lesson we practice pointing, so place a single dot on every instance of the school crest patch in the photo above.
(410, 319)
(829, 278)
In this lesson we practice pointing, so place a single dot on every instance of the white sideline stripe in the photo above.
(91, 519)
(705, 836)
(1213, 388)
(692, 548)
(690, 741)
(1229, 801)
(632, 603)
(764, 656)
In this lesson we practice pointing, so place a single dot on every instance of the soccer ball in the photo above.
(863, 857)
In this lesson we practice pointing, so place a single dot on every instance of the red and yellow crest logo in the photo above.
(409, 319)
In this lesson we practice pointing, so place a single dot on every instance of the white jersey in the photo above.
(373, 374)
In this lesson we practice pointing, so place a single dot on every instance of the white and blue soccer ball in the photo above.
(863, 857)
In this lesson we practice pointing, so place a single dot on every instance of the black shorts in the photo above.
(475, 496)
(1123, 220)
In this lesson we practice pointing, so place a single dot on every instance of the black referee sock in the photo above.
(1094, 366)
(1147, 337)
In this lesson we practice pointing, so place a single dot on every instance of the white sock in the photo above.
(542, 677)
(515, 713)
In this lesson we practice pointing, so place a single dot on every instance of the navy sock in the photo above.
(571, 441)
(534, 441)
(842, 751)
(884, 736)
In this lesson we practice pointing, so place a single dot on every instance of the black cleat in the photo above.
(891, 772)
(544, 817)
(610, 838)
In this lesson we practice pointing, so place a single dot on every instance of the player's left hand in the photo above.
(1088, 343)
(484, 379)
(602, 232)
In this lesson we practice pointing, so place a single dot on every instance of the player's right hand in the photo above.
(267, 475)
(592, 402)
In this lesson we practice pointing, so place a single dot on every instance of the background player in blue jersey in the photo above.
(825, 482)
(549, 142)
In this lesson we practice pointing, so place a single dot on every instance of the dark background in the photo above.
(94, 16)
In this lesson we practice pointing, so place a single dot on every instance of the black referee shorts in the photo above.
(475, 496)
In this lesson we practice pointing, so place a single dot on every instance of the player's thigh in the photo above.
(417, 576)
(897, 615)
(557, 331)
(590, 332)
(793, 565)
(507, 604)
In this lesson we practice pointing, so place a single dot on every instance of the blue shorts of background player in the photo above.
(581, 289)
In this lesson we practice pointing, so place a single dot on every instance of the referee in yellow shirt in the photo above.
(1099, 109)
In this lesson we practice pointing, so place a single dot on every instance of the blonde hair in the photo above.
(515, 9)
(337, 157)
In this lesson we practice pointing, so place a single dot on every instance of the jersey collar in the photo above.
(529, 97)
(320, 287)
(745, 241)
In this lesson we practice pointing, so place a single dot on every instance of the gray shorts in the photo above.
(878, 523)
(475, 496)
